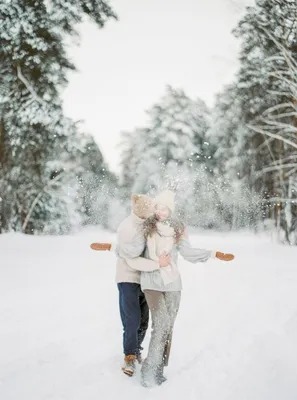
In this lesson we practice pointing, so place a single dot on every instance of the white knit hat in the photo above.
(166, 198)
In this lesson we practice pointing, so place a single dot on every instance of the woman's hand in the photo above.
(101, 246)
(224, 257)
(164, 260)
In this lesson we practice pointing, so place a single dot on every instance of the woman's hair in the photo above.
(150, 226)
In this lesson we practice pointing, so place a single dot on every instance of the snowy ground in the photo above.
(60, 332)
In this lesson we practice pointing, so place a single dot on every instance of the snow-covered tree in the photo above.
(236, 201)
(130, 145)
(228, 132)
(174, 136)
(266, 27)
(247, 157)
(171, 151)
(279, 123)
(34, 134)
(256, 88)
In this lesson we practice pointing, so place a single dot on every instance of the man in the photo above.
(133, 307)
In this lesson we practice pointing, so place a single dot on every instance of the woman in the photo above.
(164, 233)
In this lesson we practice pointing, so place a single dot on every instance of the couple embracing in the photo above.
(148, 279)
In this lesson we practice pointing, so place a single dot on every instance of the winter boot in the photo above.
(129, 365)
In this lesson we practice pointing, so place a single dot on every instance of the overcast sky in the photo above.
(123, 68)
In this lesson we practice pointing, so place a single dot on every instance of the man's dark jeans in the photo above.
(135, 316)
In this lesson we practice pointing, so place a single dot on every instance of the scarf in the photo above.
(162, 241)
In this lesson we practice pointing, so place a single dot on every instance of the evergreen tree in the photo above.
(33, 129)
(171, 151)
(173, 138)
(97, 185)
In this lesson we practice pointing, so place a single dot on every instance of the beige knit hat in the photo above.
(142, 205)
(166, 198)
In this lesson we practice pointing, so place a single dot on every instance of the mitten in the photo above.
(101, 246)
(224, 257)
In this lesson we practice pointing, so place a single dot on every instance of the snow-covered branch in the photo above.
(285, 159)
(278, 107)
(282, 200)
(29, 86)
(37, 198)
(274, 124)
(266, 142)
(293, 171)
(276, 168)
(273, 135)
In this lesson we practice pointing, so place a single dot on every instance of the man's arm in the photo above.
(142, 264)
(131, 248)
(130, 245)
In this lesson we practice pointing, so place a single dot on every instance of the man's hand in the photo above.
(164, 260)
(101, 246)
(224, 257)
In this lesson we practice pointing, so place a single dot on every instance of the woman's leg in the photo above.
(172, 301)
(160, 328)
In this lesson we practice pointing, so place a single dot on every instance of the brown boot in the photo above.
(129, 365)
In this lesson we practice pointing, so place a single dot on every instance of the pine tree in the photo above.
(33, 129)
(97, 184)
(171, 151)
(130, 145)
(174, 137)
